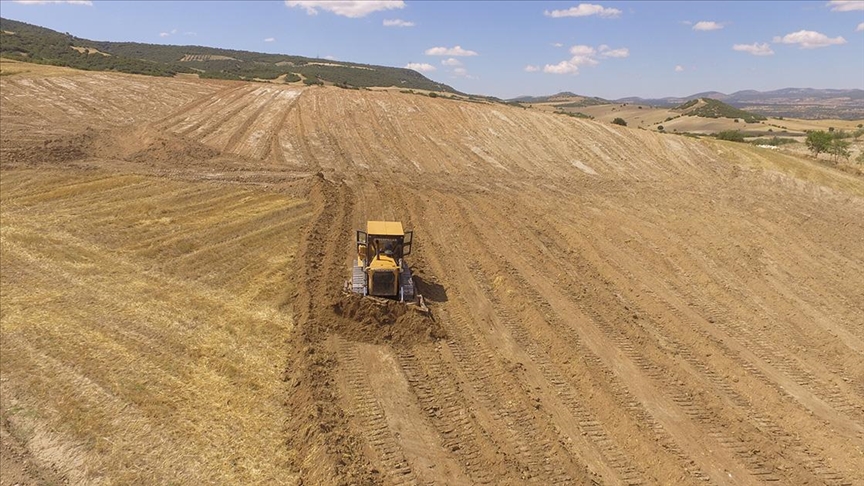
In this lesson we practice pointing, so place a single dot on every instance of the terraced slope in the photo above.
(609, 304)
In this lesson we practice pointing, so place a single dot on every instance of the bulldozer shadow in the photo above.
(430, 291)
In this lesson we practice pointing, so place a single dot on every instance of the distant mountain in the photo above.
(791, 102)
(780, 96)
(30, 43)
(544, 99)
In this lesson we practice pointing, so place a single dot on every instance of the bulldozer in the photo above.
(380, 269)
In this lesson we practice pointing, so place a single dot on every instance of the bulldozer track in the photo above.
(533, 452)
(588, 424)
(441, 399)
(755, 464)
(372, 419)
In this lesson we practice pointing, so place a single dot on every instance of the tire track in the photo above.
(238, 135)
(206, 112)
(173, 118)
(275, 153)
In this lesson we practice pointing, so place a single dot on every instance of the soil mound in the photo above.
(374, 320)
(138, 144)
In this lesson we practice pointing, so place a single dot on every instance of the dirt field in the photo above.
(609, 305)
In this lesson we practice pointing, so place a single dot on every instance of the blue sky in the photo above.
(507, 49)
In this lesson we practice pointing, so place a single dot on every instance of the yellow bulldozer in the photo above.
(380, 269)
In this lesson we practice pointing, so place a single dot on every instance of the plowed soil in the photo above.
(608, 305)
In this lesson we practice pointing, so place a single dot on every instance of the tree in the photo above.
(619, 121)
(839, 148)
(818, 142)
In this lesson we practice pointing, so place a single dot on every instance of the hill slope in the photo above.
(25, 42)
(609, 305)
(711, 108)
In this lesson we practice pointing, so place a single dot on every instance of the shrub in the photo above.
(730, 135)
(433, 94)
(773, 141)
(619, 121)
(660, 128)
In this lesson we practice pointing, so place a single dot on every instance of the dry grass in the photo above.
(143, 324)
(8, 67)
(797, 167)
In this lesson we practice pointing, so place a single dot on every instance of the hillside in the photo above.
(711, 108)
(25, 42)
(609, 305)
(565, 98)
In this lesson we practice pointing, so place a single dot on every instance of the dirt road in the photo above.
(609, 305)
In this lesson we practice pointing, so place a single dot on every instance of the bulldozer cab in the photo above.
(383, 238)
(379, 269)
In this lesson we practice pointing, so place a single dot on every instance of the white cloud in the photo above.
(845, 5)
(531, 69)
(270, 39)
(397, 23)
(462, 73)
(164, 34)
(45, 2)
(346, 8)
(706, 25)
(809, 39)
(563, 67)
(755, 48)
(449, 51)
(860, 27)
(581, 50)
(422, 67)
(686, 22)
(451, 62)
(584, 56)
(557, 44)
(173, 31)
(330, 58)
(190, 33)
(606, 51)
(584, 10)
(679, 69)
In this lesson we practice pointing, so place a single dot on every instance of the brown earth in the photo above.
(609, 305)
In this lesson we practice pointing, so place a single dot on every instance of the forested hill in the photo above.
(30, 43)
